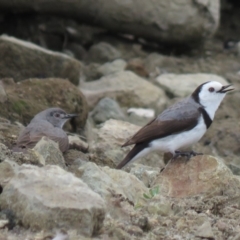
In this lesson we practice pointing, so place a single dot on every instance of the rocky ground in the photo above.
(117, 83)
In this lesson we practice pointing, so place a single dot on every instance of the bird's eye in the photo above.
(57, 115)
(211, 89)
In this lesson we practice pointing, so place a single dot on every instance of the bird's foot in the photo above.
(188, 155)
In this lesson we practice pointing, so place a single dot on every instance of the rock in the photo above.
(107, 109)
(48, 153)
(78, 51)
(75, 159)
(131, 185)
(137, 66)
(157, 64)
(4, 152)
(182, 85)
(7, 219)
(106, 149)
(178, 22)
(205, 231)
(31, 96)
(3, 95)
(18, 157)
(161, 208)
(117, 65)
(145, 173)
(142, 112)
(75, 142)
(200, 175)
(91, 72)
(7, 171)
(9, 132)
(28, 60)
(237, 237)
(155, 61)
(94, 71)
(140, 116)
(103, 52)
(105, 181)
(128, 89)
(60, 200)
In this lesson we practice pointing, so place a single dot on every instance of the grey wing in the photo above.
(34, 132)
(182, 110)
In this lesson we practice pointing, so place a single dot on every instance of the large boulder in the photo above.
(201, 175)
(127, 88)
(31, 96)
(176, 21)
(21, 60)
(50, 198)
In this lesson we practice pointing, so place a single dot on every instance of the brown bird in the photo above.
(47, 123)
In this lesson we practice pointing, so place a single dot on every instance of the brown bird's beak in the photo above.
(224, 89)
(68, 116)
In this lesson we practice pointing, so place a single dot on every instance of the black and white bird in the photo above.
(180, 125)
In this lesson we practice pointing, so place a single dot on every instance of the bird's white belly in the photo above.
(177, 141)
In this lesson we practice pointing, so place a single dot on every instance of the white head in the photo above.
(210, 95)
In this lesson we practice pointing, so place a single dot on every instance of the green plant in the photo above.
(152, 192)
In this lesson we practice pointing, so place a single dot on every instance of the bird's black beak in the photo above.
(225, 89)
(68, 116)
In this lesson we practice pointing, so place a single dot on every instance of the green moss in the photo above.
(19, 106)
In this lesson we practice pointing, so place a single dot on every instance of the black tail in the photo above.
(135, 150)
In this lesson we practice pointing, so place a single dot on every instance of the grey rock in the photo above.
(136, 65)
(157, 64)
(117, 65)
(107, 109)
(105, 181)
(48, 153)
(60, 200)
(178, 22)
(4, 152)
(91, 72)
(3, 95)
(76, 140)
(127, 88)
(182, 85)
(140, 116)
(18, 157)
(237, 237)
(145, 173)
(103, 52)
(205, 230)
(8, 170)
(162, 207)
(28, 60)
(78, 51)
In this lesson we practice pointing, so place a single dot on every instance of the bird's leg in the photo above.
(195, 153)
(188, 155)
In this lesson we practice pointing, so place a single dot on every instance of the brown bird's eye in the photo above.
(57, 115)
(211, 89)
